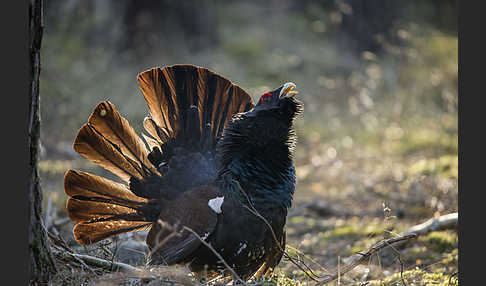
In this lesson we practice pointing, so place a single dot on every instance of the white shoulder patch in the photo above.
(215, 204)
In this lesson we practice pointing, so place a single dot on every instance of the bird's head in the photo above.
(270, 120)
(280, 102)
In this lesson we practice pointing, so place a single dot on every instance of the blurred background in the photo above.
(378, 139)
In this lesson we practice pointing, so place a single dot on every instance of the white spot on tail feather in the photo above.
(215, 204)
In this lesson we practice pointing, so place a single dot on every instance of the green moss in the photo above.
(416, 276)
(299, 225)
(280, 278)
(444, 166)
(429, 139)
(451, 258)
(421, 254)
(353, 230)
(441, 241)
(341, 232)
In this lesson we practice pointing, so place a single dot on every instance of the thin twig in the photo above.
(399, 256)
(100, 263)
(290, 258)
(339, 270)
(60, 245)
(401, 269)
(364, 256)
(217, 254)
(452, 276)
(309, 258)
(159, 243)
(253, 210)
(443, 222)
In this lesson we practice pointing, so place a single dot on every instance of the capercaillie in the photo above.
(216, 165)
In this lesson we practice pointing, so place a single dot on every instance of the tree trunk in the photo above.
(42, 265)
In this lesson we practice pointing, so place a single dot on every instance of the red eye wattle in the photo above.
(264, 96)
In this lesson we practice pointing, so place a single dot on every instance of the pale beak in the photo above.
(288, 90)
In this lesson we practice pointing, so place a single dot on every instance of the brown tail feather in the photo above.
(82, 184)
(171, 91)
(81, 210)
(100, 207)
(95, 147)
(103, 208)
(107, 121)
(91, 232)
(158, 89)
(157, 133)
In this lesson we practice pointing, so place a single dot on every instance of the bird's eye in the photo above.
(266, 96)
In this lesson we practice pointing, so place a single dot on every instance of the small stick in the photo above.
(253, 210)
(217, 254)
(101, 263)
(447, 221)
(364, 256)
(339, 270)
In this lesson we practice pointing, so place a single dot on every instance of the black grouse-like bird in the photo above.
(217, 165)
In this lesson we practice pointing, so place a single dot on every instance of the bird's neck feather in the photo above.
(258, 154)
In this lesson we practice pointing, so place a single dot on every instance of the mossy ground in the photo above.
(371, 199)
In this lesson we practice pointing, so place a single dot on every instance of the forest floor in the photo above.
(377, 150)
(351, 194)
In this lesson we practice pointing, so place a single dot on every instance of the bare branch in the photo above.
(448, 221)
(98, 262)
(364, 256)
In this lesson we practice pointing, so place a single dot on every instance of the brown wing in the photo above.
(168, 241)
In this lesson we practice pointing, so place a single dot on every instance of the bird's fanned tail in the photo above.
(103, 208)
(189, 107)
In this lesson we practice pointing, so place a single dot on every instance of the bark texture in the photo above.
(41, 262)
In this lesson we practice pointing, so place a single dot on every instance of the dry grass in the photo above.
(371, 198)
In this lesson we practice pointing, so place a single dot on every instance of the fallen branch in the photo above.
(98, 262)
(448, 221)
(363, 257)
(63, 252)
